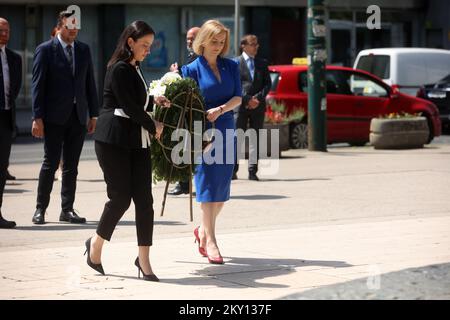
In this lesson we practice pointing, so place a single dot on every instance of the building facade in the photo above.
(279, 24)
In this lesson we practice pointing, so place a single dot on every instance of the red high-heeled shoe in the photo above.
(218, 260)
(201, 250)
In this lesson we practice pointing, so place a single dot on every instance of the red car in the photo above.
(354, 97)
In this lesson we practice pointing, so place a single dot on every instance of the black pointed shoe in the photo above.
(178, 189)
(39, 216)
(71, 216)
(96, 267)
(146, 277)
(9, 176)
(5, 224)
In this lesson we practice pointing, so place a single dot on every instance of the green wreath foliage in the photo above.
(179, 93)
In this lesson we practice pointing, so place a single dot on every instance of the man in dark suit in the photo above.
(63, 96)
(183, 186)
(10, 83)
(256, 83)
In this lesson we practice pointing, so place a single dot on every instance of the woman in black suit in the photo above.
(122, 146)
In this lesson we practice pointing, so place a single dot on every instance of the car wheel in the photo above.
(299, 135)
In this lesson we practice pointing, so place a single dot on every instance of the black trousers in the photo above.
(127, 174)
(246, 120)
(6, 130)
(68, 139)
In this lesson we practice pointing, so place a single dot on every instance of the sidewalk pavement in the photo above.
(325, 220)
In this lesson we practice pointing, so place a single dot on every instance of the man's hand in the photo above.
(37, 128)
(162, 101)
(159, 129)
(91, 125)
(174, 67)
(253, 103)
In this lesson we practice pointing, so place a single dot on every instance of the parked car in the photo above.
(439, 94)
(406, 69)
(354, 97)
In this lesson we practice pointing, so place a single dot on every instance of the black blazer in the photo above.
(53, 85)
(124, 89)
(259, 86)
(15, 82)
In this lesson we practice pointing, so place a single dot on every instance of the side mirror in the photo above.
(393, 95)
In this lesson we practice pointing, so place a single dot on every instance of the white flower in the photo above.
(170, 77)
(156, 88)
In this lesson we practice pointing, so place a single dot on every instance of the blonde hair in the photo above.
(208, 30)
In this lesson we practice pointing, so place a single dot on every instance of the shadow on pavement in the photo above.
(259, 197)
(91, 180)
(293, 180)
(245, 272)
(15, 191)
(62, 226)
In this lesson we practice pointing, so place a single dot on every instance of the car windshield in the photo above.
(378, 65)
(274, 77)
(445, 79)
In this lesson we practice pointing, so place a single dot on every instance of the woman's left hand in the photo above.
(213, 113)
(162, 101)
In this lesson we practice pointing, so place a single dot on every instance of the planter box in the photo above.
(400, 133)
(283, 141)
(283, 138)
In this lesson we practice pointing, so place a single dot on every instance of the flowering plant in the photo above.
(157, 88)
(276, 113)
(187, 107)
(401, 115)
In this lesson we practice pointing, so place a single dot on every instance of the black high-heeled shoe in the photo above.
(147, 277)
(96, 267)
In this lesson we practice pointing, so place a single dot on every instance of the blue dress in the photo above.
(213, 180)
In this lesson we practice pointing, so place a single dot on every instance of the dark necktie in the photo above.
(2, 85)
(70, 57)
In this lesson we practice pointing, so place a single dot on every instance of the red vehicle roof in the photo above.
(292, 67)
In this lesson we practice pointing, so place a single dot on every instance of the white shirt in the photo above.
(5, 69)
(145, 137)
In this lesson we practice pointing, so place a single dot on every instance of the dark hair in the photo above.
(135, 31)
(245, 39)
(54, 32)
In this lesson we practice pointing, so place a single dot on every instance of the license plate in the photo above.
(437, 95)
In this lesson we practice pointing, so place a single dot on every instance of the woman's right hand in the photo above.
(159, 129)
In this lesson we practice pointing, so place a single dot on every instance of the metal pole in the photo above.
(317, 58)
(236, 27)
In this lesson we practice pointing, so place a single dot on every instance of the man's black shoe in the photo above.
(253, 176)
(234, 177)
(5, 224)
(71, 216)
(177, 190)
(9, 176)
(39, 217)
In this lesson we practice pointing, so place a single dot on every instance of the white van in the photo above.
(405, 68)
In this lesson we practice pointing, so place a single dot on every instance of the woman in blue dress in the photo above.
(219, 82)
